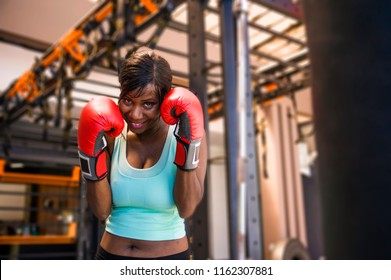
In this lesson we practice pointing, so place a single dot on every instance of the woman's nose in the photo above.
(136, 113)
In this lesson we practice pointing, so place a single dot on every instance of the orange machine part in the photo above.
(69, 238)
(42, 179)
(150, 6)
(25, 86)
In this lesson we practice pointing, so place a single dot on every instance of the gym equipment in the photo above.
(289, 249)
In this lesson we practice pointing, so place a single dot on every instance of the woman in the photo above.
(156, 171)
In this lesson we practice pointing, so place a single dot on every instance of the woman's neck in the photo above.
(152, 134)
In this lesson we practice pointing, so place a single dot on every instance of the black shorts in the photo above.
(102, 254)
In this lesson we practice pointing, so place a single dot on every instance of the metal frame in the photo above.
(183, 28)
(228, 33)
(288, 7)
(197, 84)
(248, 181)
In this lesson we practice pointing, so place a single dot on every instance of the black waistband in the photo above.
(102, 254)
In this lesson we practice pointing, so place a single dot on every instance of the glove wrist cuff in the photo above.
(93, 168)
(187, 154)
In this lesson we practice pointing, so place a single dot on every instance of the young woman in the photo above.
(144, 161)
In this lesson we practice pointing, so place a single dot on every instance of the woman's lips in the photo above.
(136, 125)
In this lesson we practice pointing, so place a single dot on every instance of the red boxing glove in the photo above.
(183, 108)
(101, 115)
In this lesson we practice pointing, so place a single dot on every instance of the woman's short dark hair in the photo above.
(145, 68)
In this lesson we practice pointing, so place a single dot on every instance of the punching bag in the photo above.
(350, 53)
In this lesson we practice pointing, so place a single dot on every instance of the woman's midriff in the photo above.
(141, 248)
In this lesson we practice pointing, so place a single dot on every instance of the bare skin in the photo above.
(146, 136)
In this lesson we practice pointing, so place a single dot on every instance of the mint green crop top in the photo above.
(143, 203)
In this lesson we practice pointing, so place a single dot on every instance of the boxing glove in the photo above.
(182, 107)
(101, 115)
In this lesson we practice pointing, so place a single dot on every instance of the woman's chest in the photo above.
(148, 193)
(144, 155)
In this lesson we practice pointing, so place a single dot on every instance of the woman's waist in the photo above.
(131, 247)
(145, 224)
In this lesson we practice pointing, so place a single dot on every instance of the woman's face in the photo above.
(140, 113)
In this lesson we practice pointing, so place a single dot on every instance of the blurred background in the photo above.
(267, 73)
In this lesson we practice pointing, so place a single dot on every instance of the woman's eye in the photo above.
(148, 105)
(126, 101)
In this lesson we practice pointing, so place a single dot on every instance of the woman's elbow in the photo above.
(101, 215)
(187, 211)
(102, 218)
(185, 214)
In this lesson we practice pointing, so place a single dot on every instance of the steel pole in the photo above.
(241, 9)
